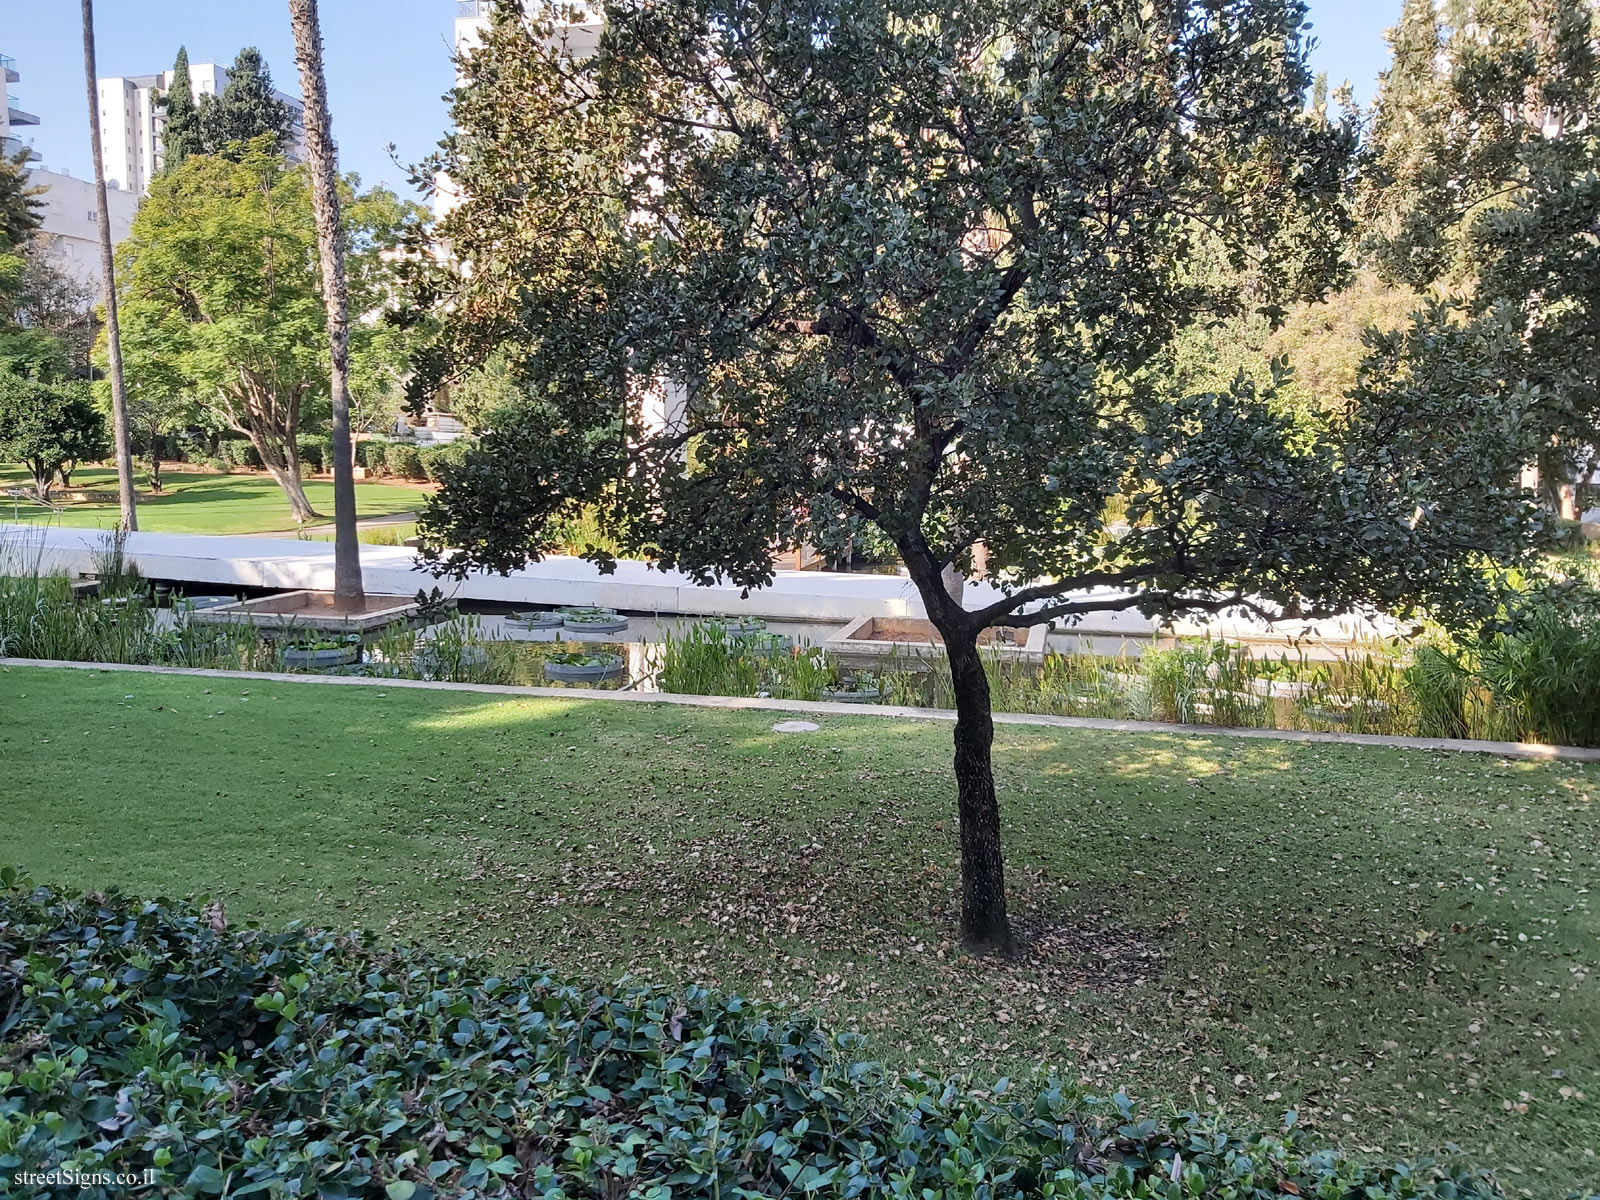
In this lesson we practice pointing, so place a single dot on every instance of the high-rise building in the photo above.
(133, 120)
(12, 115)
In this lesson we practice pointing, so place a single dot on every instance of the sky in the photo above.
(388, 63)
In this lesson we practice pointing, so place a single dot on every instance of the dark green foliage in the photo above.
(48, 425)
(182, 136)
(245, 110)
(235, 1061)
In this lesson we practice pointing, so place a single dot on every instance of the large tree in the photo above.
(922, 263)
(222, 300)
(1481, 184)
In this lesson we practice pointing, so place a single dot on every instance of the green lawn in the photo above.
(204, 502)
(1402, 944)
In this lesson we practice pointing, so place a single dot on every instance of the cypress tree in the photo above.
(182, 136)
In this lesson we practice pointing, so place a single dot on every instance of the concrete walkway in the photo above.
(818, 708)
(221, 563)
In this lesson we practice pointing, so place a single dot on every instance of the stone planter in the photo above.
(321, 660)
(610, 667)
(592, 620)
(536, 621)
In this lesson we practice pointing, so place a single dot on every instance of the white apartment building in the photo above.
(71, 219)
(69, 216)
(132, 121)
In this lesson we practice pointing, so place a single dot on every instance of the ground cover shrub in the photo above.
(148, 1035)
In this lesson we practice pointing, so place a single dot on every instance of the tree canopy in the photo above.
(49, 424)
(1482, 184)
(246, 110)
(220, 294)
(923, 265)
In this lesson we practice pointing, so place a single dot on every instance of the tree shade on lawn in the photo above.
(1398, 943)
(204, 502)
(946, 310)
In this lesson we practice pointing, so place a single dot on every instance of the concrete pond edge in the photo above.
(1517, 750)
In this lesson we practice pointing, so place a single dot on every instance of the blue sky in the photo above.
(387, 60)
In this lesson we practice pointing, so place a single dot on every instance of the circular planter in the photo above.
(428, 660)
(536, 620)
(315, 660)
(609, 668)
(868, 697)
(593, 621)
(740, 626)
(763, 642)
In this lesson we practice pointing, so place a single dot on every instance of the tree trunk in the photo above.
(283, 464)
(330, 242)
(119, 394)
(43, 477)
(984, 925)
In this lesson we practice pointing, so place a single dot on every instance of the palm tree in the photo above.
(119, 394)
(330, 240)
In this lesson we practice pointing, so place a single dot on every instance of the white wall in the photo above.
(71, 219)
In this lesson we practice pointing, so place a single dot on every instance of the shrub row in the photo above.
(403, 460)
(236, 1061)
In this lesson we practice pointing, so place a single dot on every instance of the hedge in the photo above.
(153, 1035)
(437, 459)
(402, 459)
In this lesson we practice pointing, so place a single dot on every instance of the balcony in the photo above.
(467, 10)
(17, 115)
(8, 67)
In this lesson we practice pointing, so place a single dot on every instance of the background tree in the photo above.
(181, 137)
(19, 202)
(924, 264)
(119, 396)
(222, 298)
(56, 304)
(22, 348)
(245, 111)
(48, 425)
(1481, 185)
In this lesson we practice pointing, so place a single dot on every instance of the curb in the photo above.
(1519, 750)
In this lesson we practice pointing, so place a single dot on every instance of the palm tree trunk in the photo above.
(119, 394)
(330, 242)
